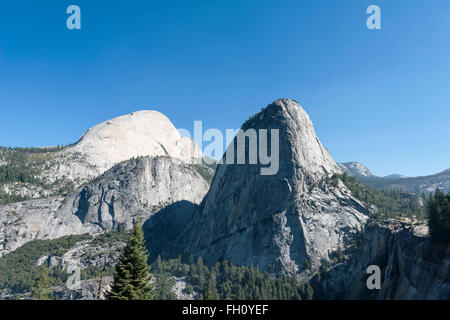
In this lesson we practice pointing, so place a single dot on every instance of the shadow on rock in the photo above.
(161, 230)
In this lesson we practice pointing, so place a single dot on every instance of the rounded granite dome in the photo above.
(142, 133)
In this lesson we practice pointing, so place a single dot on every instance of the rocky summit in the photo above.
(146, 133)
(142, 133)
(280, 223)
(356, 169)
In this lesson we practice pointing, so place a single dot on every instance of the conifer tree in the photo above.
(132, 277)
(241, 293)
(308, 291)
(41, 290)
(438, 208)
(211, 293)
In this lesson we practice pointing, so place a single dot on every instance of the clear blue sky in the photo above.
(378, 97)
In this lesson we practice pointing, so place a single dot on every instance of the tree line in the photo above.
(438, 209)
(390, 203)
(23, 166)
(136, 279)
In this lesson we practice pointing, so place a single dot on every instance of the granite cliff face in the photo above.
(276, 222)
(136, 188)
(146, 133)
(138, 134)
(412, 267)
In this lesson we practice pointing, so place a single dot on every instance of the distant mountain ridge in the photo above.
(419, 185)
(356, 169)
(395, 176)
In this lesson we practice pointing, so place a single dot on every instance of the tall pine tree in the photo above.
(132, 277)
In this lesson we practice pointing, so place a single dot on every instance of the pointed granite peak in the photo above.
(299, 145)
(279, 221)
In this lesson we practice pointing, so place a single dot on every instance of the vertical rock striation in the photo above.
(280, 222)
(412, 267)
(135, 188)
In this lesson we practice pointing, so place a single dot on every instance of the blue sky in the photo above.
(381, 97)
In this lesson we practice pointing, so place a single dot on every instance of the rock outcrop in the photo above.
(142, 133)
(412, 267)
(136, 188)
(356, 169)
(276, 222)
(60, 170)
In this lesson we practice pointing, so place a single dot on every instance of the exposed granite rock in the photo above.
(179, 289)
(356, 169)
(139, 134)
(293, 221)
(276, 222)
(412, 267)
(25, 190)
(142, 133)
(136, 188)
(35, 219)
(146, 133)
(88, 290)
(86, 254)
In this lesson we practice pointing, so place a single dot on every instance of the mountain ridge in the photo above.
(419, 184)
